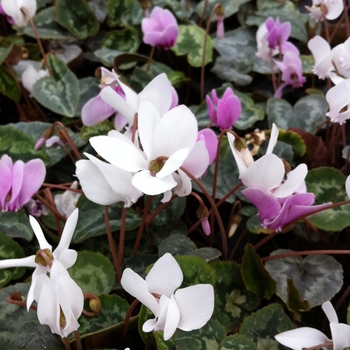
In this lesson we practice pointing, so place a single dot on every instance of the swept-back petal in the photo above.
(119, 152)
(21, 262)
(340, 335)
(196, 304)
(176, 130)
(197, 161)
(5, 184)
(165, 276)
(117, 102)
(67, 233)
(39, 234)
(17, 182)
(293, 182)
(300, 338)
(172, 319)
(173, 163)
(242, 163)
(328, 309)
(273, 138)
(266, 173)
(152, 185)
(184, 184)
(138, 288)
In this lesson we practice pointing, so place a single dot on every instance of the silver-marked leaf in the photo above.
(93, 272)
(237, 342)
(233, 301)
(77, 17)
(16, 225)
(262, 326)
(20, 329)
(46, 26)
(328, 186)
(306, 114)
(112, 314)
(190, 42)
(59, 93)
(207, 337)
(317, 277)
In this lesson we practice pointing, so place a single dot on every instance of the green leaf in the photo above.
(16, 225)
(262, 326)
(18, 145)
(307, 62)
(107, 56)
(233, 301)
(171, 213)
(116, 10)
(98, 7)
(180, 244)
(112, 314)
(230, 7)
(4, 52)
(21, 329)
(9, 249)
(91, 221)
(93, 272)
(294, 301)
(190, 42)
(237, 342)
(77, 17)
(35, 131)
(208, 337)
(9, 84)
(317, 277)
(240, 46)
(163, 344)
(306, 114)
(88, 88)
(233, 70)
(293, 139)
(46, 26)
(59, 93)
(125, 40)
(255, 277)
(250, 112)
(195, 271)
(328, 186)
(96, 130)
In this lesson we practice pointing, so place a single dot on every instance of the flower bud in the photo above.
(95, 305)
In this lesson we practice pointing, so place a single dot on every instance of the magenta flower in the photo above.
(277, 33)
(224, 111)
(160, 29)
(292, 73)
(19, 182)
(275, 213)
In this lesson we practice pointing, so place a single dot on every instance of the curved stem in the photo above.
(150, 58)
(111, 245)
(272, 72)
(159, 209)
(26, 13)
(66, 343)
(122, 237)
(143, 223)
(78, 340)
(205, 47)
(127, 319)
(215, 210)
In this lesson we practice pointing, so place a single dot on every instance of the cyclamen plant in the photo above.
(205, 147)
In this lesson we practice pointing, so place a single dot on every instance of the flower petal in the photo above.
(96, 110)
(340, 335)
(196, 304)
(21, 262)
(300, 338)
(172, 319)
(39, 234)
(173, 163)
(273, 138)
(138, 288)
(152, 185)
(197, 161)
(328, 309)
(165, 276)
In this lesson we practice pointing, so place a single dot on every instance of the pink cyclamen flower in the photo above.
(224, 111)
(292, 73)
(220, 31)
(271, 38)
(211, 142)
(19, 181)
(160, 29)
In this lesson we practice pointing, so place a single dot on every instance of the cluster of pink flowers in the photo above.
(272, 39)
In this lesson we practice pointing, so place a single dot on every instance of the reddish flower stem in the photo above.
(122, 238)
(127, 319)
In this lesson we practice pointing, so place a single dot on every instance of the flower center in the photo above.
(156, 166)
(44, 257)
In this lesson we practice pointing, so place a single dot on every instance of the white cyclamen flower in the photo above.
(53, 297)
(66, 202)
(187, 309)
(13, 9)
(306, 337)
(30, 76)
(168, 143)
(158, 92)
(338, 97)
(330, 9)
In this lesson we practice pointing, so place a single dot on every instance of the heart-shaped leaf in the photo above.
(59, 93)
(317, 277)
